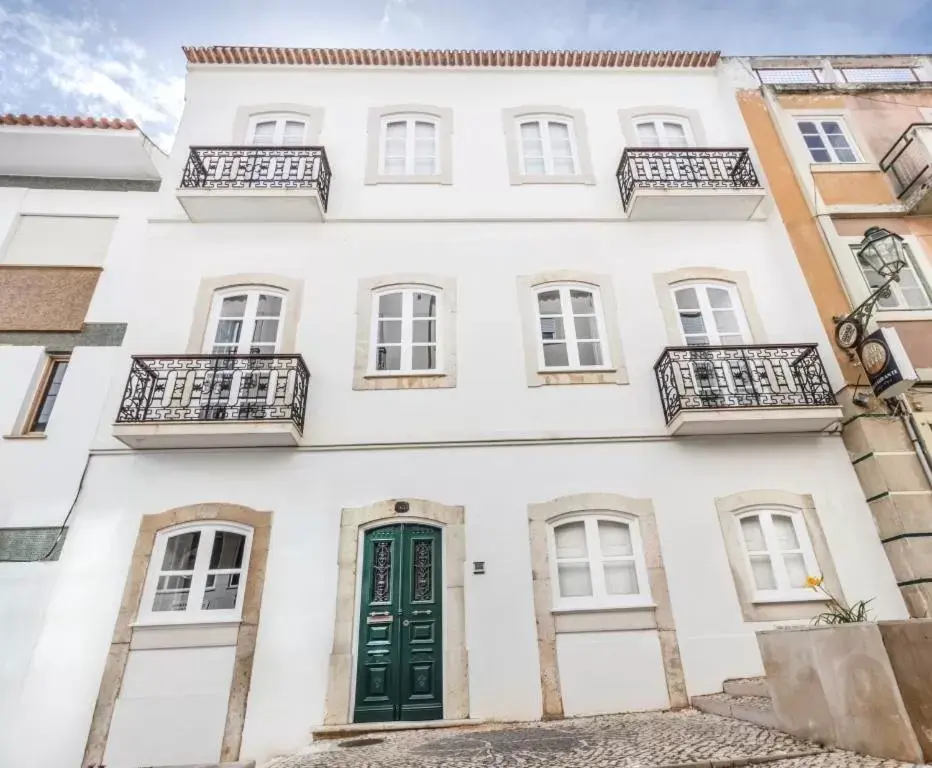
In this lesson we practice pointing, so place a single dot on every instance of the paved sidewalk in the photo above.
(648, 740)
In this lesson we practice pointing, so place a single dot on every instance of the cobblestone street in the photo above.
(619, 741)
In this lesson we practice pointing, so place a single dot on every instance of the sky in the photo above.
(122, 58)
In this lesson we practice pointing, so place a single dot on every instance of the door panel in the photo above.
(400, 656)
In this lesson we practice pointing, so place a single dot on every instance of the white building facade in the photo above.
(454, 386)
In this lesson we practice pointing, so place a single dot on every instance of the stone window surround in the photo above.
(660, 617)
(292, 287)
(729, 507)
(341, 672)
(628, 118)
(442, 117)
(577, 119)
(126, 636)
(666, 282)
(313, 115)
(363, 379)
(800, 154)
(616, 373)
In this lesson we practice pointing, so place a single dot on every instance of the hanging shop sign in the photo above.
(886, 363)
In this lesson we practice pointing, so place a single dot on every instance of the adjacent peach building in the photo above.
(846, 144)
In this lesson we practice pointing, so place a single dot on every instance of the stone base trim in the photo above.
(455, 659)
(118, 656)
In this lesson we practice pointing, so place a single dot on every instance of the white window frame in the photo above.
(252, 293)
(279, 118)
(845, 129)
(706, 310)
(783, 593)
(657, 120)
(599, 599)
(410, 120)
(912, 263)
(194, 613)
(407, 326)
(569, 327)
(543, 122)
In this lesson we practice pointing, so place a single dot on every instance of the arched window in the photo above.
(273, 130)
(410, 146)
(711, 314)
(572, 327)
(547, 145)
(598, 562)
(779, 552)
(663, 131)
(245, 320)
(405, 330)
(197, 573)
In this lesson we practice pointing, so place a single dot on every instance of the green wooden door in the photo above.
(399, 674)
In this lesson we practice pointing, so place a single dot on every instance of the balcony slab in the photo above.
(251, 205)
(737, 421)
(208, 434)
(653, 204)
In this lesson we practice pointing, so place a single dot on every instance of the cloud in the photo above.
(94, 70)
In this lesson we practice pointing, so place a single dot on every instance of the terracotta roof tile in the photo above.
(385, 57)
(52, 121)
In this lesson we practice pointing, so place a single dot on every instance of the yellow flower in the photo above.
(813, 581)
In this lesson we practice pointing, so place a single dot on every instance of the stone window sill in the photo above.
(786, 597)
(27, 436)
(844, 167)
(638, 606)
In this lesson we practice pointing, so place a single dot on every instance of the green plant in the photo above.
(838, 612)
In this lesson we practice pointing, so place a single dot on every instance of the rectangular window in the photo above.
(548, 147)
(828, 140)
(572, 329)
(910, 292)
(409, 147)
(47, 394)
(405, 331)
(779, 552)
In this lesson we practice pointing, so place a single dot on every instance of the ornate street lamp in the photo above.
(884, 252)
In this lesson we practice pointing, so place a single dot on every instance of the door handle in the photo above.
(421, 613)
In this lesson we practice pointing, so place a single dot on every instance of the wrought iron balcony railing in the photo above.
(210, 388)
(684, 168)
(908, 162)
(258, 168)
(760, 376)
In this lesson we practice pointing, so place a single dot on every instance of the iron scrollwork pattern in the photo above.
(215, 388)
(423, 581)
(258, 168)
(684, 168)
(381, 572)
(773, 375)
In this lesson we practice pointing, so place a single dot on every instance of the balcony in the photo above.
(255, 184)
(908, 165)
(688, 183)
(748, 389)
(213, 401)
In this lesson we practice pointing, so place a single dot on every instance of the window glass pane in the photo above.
(269, 306)
(814, 142)
(424, 358)
(675, 134)
(726, 321)
(586, 327)
(265, 332)
(424, 166)
(396, 130)
(621, 578)
(424, 131)
(294, 133)
(389, 332)
(831, 127)
(820, 155)
(914, 296)
(786, 532)
(726, 340)
(424, 330)
(583, 302)
(575, 579)
(697, 341)
(425, 305)
(590, 353)
(394, 165)
(388, 359)
(221, 593)
(534, 166)
(180, 551)
(228, 550)
(548, 302)
(807, 127)
(551, 328)
(570, 539)
(796, 570)
(647, 135)
(763, 572)
(615, 539)
(564, 166)
(264, 132)
(228, 331)
(530, 132)
(692, 322)
(559, 133)
(233, 306)
(390, 305)
(555, 355)
(171, 593)
(56, 376)
(719, 298)
(686, 298)
(753, 534)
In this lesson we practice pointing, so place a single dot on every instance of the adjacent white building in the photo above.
(453, 386)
